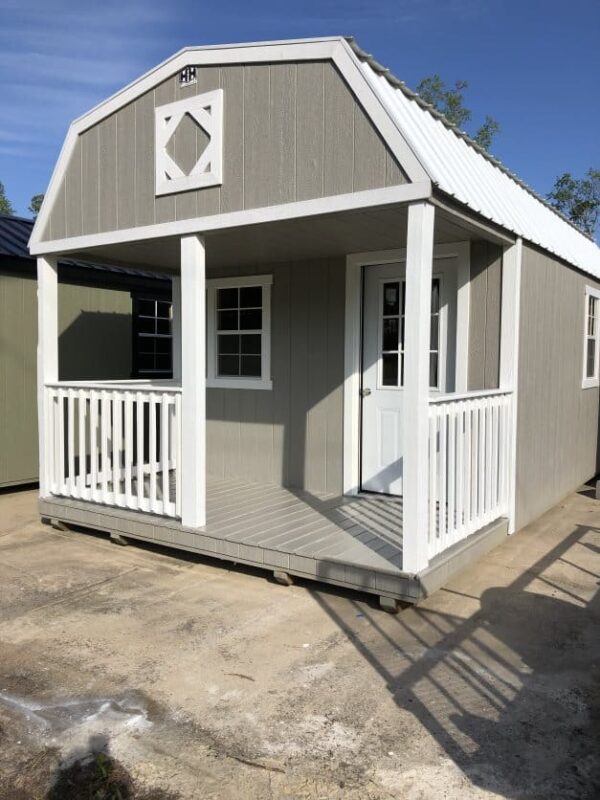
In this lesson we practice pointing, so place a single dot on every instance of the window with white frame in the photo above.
(239, 332)
(591, 334)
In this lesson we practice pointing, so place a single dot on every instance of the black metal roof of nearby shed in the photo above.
(14, 240)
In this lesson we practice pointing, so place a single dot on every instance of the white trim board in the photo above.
(353, 342)
(391, 195)
(335, 49)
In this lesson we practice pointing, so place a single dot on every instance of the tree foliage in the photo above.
(36, 204)
(6, 207)
(578, 199)
(450, 102)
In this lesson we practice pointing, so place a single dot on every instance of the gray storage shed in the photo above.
(97, 331)
(386, 346)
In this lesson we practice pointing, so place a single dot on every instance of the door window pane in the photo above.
(389, 375)
(390, 334)
(391, 299)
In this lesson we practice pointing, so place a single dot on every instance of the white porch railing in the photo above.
(116, 443)
(469, 444)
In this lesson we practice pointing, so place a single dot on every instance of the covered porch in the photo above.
(142, 459)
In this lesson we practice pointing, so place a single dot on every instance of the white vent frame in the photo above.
(207, 111)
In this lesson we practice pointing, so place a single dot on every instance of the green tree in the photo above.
(6, 207)
(36, 204)
(451, 103)
(578, 199)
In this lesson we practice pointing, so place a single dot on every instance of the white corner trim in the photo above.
(206, 110)
(390, 195)
(512, 260)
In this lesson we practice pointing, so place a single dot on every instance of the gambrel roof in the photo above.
(427, 146)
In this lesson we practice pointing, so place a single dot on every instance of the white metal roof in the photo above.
(458, 167)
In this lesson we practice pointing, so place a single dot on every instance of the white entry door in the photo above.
(383, 365)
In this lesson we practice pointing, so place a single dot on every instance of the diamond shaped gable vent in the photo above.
(198, 123)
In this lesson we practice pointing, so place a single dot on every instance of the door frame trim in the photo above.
(353, 343)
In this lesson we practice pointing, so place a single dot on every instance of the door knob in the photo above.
(365, 392)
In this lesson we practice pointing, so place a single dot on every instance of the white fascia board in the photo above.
(379, 111)
(391, 195)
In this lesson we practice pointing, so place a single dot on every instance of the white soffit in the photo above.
(458, 169)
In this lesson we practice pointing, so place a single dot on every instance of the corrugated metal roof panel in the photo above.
(478, 181)
(14, 241)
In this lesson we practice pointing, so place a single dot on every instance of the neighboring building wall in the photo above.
(95, 333)
(291, 132)
(94, 342)
(18, 378)
(292, 435)
(557, 441)
(484, 315)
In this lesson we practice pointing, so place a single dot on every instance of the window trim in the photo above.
(213, 380)
(593, 382)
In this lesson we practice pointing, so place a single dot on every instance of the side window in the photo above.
(239, 333)
(590, 338)
(152, 337)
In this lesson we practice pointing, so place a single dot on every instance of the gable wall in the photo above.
(292, 131)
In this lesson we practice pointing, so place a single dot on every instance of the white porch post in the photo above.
(509, 359)
(47, 356)
(193, 382)
(417, 321)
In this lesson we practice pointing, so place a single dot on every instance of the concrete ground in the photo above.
(190, 679)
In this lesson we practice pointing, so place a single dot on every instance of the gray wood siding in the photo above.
(484, 316)
(557, 442)
(292, 131)
(292, 435)
(94, 342)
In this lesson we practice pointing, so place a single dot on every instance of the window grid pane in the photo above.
(239, 331)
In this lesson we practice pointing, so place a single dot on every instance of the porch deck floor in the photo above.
(365, 531)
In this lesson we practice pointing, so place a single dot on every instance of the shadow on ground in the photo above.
(506, 702)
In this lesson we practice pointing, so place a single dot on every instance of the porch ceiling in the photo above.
(290, 240)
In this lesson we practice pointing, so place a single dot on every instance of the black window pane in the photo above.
(251, 344)
(228, 321)
(435, 321)
(147, 307)
(146, 325)
(390, 334)
(163, 309)
(227, 298)
(591, 358)
(145, 361)
(250, 366)
(250, 319)
(228, 345)
(391, 298)
(433, 369)
(251, 297)
(435, 296)
(389, 375)
(163, 345)
(229, 365)
(163, 326)
(163, 362)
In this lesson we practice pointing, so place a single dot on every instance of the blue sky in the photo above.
(533, 64)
